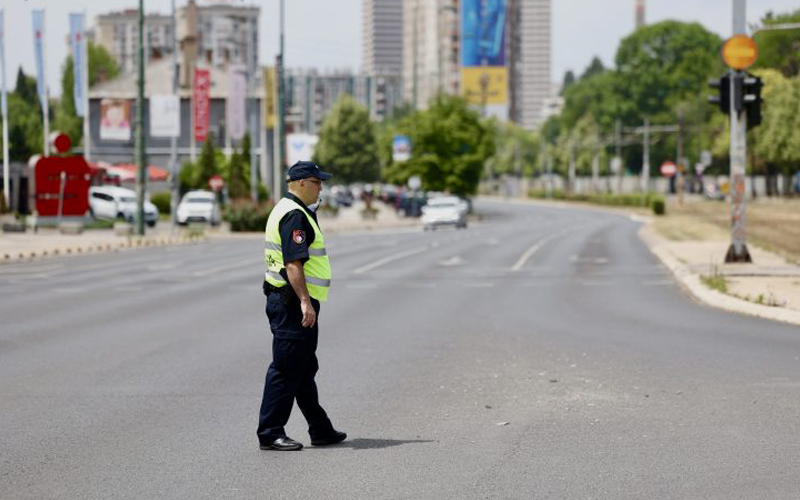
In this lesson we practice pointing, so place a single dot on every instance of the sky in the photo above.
(326, 34)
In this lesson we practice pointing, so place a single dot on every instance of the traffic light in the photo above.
(751, 98)
(723, 97)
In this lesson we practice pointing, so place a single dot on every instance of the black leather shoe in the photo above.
(283, 444)
(332, 438)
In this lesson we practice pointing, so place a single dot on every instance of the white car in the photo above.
(445, 210)
(111, 202)
(198, 206)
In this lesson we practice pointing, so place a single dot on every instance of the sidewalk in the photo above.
(48, 242)
(768, 288)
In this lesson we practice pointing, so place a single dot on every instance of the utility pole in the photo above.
(618, 158)
(281, 133)
(646, 159)
(251, 73)
(737, 252)
(87, 139)
(173, 142)
(140, 161)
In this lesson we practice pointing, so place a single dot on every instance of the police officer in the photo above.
(297, 279)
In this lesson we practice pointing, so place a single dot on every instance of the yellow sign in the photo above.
(482, 85)
(739, 52)
(269, 97)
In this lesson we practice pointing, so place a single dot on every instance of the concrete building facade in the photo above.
(430, 49)
(530, 36)
(382, 37)
(118, 33)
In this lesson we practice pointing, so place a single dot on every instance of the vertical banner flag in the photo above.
(3, 62)
(115, 120)
(235, 105)
(484, 75)
(38, 50)
(202, 104)
(76, 39)
(269, 97)
(165, 116)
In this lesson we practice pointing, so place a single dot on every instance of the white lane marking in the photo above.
(596, 283)
(452, 261)
(391, 258)
(532, 250)
(227, 267)
(69, 290)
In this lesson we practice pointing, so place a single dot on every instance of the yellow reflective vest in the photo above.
(317, 268)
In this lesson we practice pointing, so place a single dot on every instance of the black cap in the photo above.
(304, 170)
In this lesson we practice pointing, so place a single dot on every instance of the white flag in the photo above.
(236, 109)
(3, 62)
(76, 38)
(165, 116)
(38, 49)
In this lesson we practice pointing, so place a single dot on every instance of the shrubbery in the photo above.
(163, 202)
(244, 215)
(652, 200)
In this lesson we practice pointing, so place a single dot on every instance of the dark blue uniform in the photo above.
(294, 364)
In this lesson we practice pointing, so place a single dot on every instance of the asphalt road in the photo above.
(542, 353)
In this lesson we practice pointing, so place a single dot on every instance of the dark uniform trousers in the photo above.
(291, 374)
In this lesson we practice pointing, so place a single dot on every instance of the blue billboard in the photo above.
(483, 32)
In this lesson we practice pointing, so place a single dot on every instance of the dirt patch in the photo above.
(772, 224)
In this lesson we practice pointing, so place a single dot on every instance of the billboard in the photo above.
(165, 116)
(269, 97)
(401, 148)
(484, 74)
(300, 147)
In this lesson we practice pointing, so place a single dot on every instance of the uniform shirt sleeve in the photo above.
(297, 235)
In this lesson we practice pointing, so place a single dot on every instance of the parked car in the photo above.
(198, 206)
(445, 210)
(410, 204)
(111, 202)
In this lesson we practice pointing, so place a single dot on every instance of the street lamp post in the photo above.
(140, 161)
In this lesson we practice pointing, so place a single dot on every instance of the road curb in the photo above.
(131, 243)
(690, 282)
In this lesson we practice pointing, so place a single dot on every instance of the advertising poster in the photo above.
(401, 148)
(165, 116)
(484, 75)
(201, 104)
(115, 120)
(269, 97)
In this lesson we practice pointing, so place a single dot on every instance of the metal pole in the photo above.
(46, 103)
(140, 162)
(87, 137)
(6, 169)
(571, 172)
(618, 139)
(737, 252)
(251, 74)
(173, 143)
(646, 162)
(281, 136)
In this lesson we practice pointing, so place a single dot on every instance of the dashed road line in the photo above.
(391, 258)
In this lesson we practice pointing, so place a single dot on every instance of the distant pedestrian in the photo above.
(297, 279)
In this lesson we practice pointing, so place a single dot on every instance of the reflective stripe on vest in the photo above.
(317, 268)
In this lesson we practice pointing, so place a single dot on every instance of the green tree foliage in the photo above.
(569, 79)
(450, 145)
(238, 178)
(207, 164)
(517, 150)
(779, 49)
(347, 145)
(25, 128)
(101, 67)
(595, 68)
(777, 140)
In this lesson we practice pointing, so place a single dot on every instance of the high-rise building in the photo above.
(530, 47)
(220, 34)
(118, 33)
(430, 49)
(640, 14)
(382, 37)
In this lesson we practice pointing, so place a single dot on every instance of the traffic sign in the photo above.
(668, 169)
(739, 52)
(216, 183)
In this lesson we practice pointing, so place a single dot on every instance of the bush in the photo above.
(163, 202)
(244, 215)
(659, 207)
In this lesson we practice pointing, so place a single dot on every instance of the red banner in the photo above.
(201, 110)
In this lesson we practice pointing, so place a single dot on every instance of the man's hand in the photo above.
(309, 314)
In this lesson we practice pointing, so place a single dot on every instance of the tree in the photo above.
(595, 68)
(779, 49)
(569, 79)
(516, 150)
(25, 127)
(450, 144)
(238, 171)
(101, 67)
(207, 164)
(347, 146)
